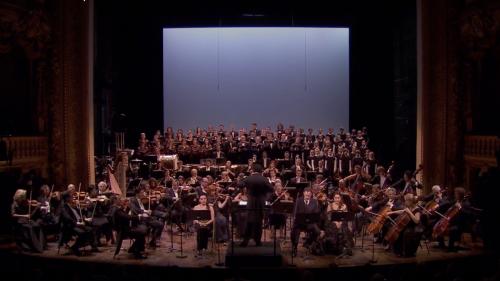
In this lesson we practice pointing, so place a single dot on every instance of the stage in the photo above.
(161, 262)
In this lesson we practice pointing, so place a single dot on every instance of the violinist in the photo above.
(228, 168)
(28, 231)
(177, 210)
(279, 194)
(273, 178)
(336, 237)
(137, 208)
(194, 180)
(407, 237)
(410, 185)
(47, 202)
(221, 209)
(74, 223)
(271, 167)
(381, 178)
(203, 189)
(130, 226)
(98, 211)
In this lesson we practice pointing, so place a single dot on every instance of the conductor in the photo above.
(258, 187)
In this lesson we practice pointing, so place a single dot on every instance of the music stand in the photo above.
(282, 207)
(169, 211)
(199, 215)
(341, 216)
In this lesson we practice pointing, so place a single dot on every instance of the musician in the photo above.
(279, 194)
(408, 240)
(98, 212)
(28, 230)
(337, 238)
(258, 188)
(194, 180)
(177, 209)
(410, 185)
(203, 228)
(70, 189)
(221, 208)
(154, 224)
(298, 177)
(273, 178)
(393, 203)
(357, 180)
(381, 178)
(225, 177)
(130, 226)
(228, 168)
(271, 167)
(250, 164)
(167, 179)
(48, 204)
(203, 188)
(459, 223)
(305, 205)
(75, 224)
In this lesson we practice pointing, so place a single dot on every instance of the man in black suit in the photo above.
(305, 205)
(138, 209)
(73, 223)
(258, 187)
(129, 226)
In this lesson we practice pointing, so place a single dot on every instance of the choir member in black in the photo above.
(73, 223)
(203, 228)
(408, 240)
(298, 164)
(258, 187)
(371, 164)
(298, 177)
(305, 205)
(330, 161)
(137, 209)
(382, 179)
(130, 226)
(28, 229)
(265, 161)
(337, 237)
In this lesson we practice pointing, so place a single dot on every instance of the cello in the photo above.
(399, 225)
(442, 225)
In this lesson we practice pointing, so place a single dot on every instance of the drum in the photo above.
(169, 161)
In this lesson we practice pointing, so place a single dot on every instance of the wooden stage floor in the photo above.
(362, 254)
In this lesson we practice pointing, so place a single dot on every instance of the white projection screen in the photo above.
(237, 76)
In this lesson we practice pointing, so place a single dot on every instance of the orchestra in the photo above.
(336, 186)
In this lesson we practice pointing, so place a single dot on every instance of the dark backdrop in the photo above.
(382, 67)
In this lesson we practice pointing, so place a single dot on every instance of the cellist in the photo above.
(404, 236)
